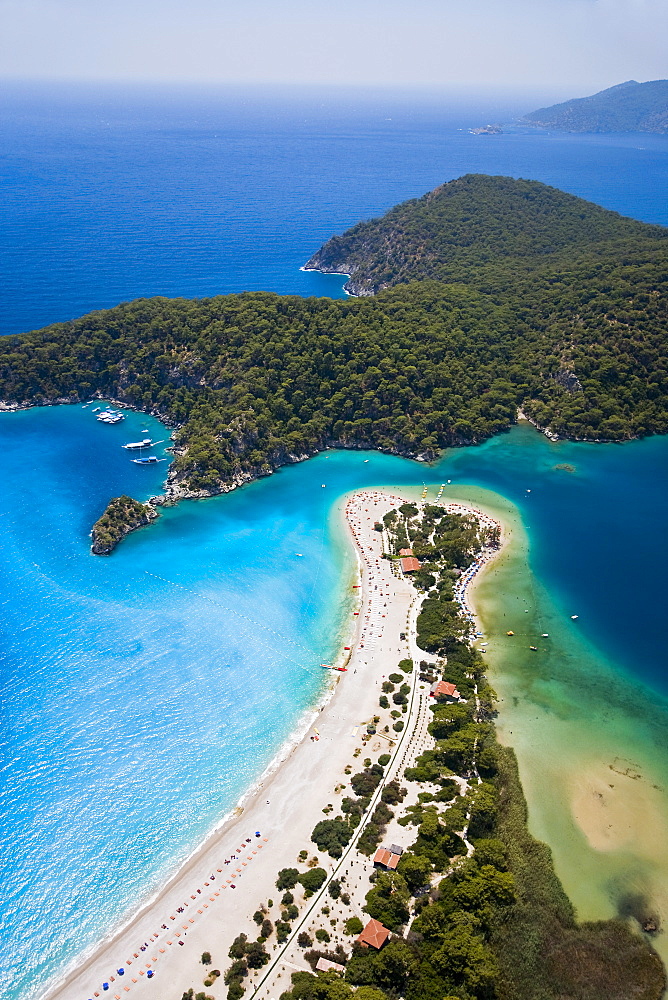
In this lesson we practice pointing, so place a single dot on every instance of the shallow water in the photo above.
(144, 692)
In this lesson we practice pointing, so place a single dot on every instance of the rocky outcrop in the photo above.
(568, 380)
(123, 515)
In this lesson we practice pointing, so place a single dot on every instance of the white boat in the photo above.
(110, 417)
(136, 445)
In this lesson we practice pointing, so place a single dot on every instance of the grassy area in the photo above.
(541, 950)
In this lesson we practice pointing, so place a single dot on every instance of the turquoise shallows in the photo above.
(143, 693)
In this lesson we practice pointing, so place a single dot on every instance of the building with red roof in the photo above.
(386, 859)
(405, 552)
(443, 689)
(410, 564)
(374, 935)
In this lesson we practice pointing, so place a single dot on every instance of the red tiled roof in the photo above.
(374, 934)
(405, 552)
(386, 858)
(382, 856)
(410, 564)
(447, 689)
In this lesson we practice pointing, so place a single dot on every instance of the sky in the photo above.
(575, 46)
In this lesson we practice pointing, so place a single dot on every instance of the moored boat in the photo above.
(136, 445)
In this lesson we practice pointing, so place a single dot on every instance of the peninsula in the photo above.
(123, 515)
(486, 297)
(628, 107)
(389, 850)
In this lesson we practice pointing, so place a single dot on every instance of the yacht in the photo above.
(136, 445)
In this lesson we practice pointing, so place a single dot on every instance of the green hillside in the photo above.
(489, 231)
(628, 107)
(544, 302)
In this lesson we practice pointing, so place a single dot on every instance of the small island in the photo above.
(123, 515)
(487, 130)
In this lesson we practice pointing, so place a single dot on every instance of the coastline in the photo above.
(298, 767)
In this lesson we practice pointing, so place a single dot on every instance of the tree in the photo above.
(237, 970)
(287, 878)
(334, 888)
(331, 835)
(387, 900)
(353, 925)
(395, 965)
(206, 958)
(256, 955)
(313, 879)
(238, 946)
(465, 958)
(415, 870)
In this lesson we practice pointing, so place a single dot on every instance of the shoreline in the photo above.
(338, 707)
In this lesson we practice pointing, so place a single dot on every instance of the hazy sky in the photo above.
(576, 45)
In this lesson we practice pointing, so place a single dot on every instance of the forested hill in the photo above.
(485, 231)
(569, 323)
(628, 107)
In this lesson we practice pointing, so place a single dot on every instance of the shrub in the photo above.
(322, 935)
(406, 666)
(383, 702)
(393, 793)
(395, 678)
(238, 946)
(236, 971)
(398, 725)
(365, 783)
(256, 956)
(384, 759)
(206, 958)
(353, 925)
(282, 931)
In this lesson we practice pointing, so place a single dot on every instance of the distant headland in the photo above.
(627, 107)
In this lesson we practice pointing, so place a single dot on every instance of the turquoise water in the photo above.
(144, 692)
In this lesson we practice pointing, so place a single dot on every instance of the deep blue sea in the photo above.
(143, 693)
(110, 194)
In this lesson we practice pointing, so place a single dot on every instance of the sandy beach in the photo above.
(214, 895)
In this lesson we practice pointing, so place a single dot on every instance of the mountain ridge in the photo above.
(626, 107)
